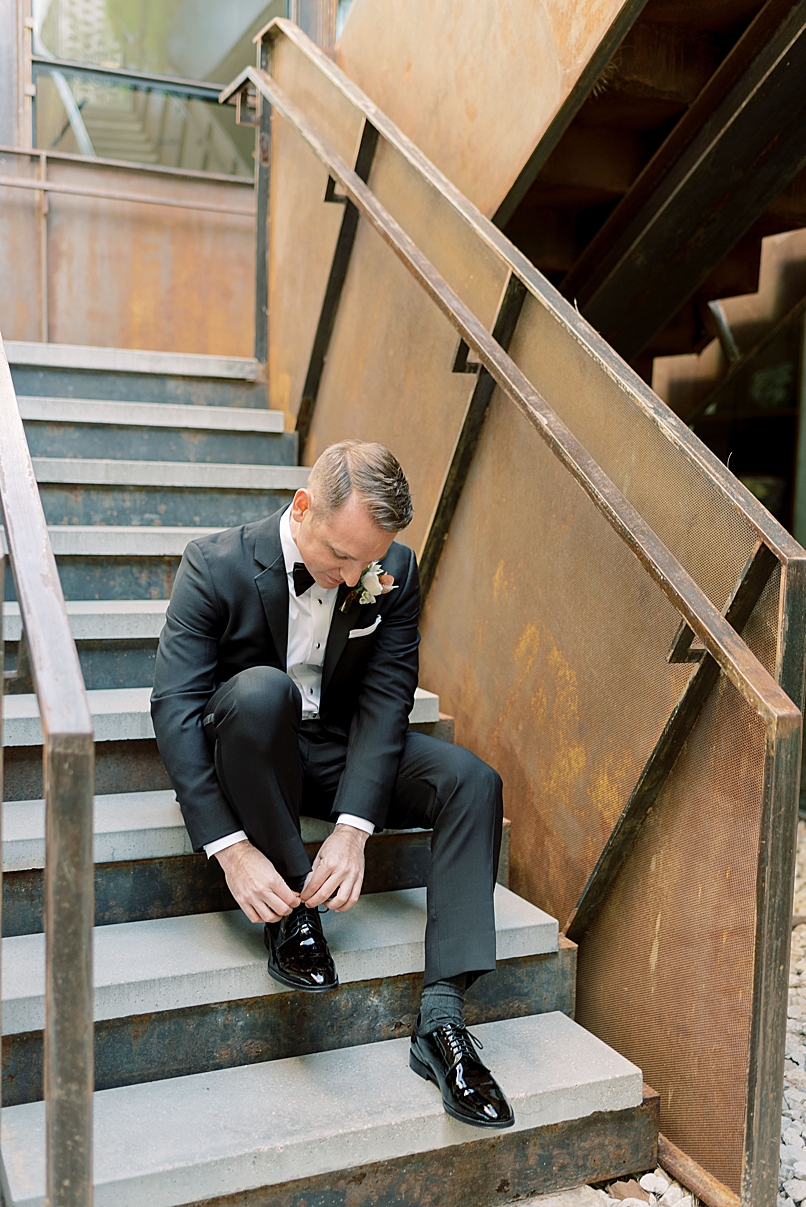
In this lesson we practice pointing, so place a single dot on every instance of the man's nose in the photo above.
(351, 575)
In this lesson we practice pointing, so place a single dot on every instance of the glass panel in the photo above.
(141, 126)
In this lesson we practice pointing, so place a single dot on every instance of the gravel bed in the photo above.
(792, 1170)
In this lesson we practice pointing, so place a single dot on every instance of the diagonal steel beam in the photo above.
(746, 594)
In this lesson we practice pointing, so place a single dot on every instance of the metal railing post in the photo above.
(67, 765)
(69, 913)
(262, 180)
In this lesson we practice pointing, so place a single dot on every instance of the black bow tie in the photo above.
(303, 579)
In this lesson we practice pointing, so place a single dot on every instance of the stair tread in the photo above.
(126, 826)
(129, 360)
(203, 475)
(124, 540)
(173, 963)
(151, 414)
(189, 1139)
(122, 713)
(101, 619)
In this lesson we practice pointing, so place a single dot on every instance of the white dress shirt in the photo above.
(309, 618)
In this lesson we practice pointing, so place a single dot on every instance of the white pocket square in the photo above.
(365, 632)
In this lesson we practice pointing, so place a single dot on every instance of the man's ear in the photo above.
(300, 503)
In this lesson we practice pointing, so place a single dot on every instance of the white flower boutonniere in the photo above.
(372, 583)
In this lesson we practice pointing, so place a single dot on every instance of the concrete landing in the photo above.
(189, 1139)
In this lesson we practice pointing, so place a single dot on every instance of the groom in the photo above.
(285, 676)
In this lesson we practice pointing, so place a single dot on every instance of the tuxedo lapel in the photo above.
(340, 626)
(272, 583)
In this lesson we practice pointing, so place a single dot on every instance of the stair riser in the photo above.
(160, 444)
(150, 1047)
(93, 577)
(202, 507)
(135, 890)
(104, 664)
(125, 766)
(137, 387)
(597, 1148)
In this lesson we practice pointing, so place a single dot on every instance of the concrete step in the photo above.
(142, 493)
(310, 1119)
(121, 540)
(153, 431)
(110, 561)
(171, 963)
(129, 374)
(186, 994)
(129, 360)
(101, 619)
(124, 715)
(175, 475)
(145, 868)
(117, 641)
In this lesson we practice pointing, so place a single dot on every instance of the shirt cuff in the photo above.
(220, 844)
(360, 823)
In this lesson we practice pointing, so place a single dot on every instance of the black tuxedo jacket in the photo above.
(229, 612)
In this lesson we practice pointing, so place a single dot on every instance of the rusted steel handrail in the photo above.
(76, 190)
(730, 652)
(674, 430)
(68, 779)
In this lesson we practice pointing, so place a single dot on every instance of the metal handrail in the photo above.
(674, 430)
(67, 756)
(720, 639)
(201, 90)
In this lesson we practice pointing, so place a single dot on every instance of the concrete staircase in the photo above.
(212, 1082)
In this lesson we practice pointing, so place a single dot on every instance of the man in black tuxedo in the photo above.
(284, 680)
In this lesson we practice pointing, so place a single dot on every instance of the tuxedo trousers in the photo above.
(274, 768)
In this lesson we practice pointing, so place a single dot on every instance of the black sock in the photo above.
(442, 1002)
(297, 883)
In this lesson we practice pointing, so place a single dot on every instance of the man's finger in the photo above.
(250, 912)
(318, 877)
(275, 902)
(328, 890)
(280, 889)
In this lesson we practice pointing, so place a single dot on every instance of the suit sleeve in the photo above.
(379, 725)
(184, 681)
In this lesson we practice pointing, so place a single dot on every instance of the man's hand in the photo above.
(255, 883)
(338, 870)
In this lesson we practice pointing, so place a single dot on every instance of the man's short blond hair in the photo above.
(372, 472)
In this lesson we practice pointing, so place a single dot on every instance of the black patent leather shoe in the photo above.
(470, 1093)
(299, 956)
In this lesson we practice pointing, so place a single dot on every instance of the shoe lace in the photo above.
(458, 1039)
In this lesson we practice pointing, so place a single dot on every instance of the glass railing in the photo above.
(137, 117)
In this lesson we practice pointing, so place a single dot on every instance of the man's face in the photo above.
(337, 546)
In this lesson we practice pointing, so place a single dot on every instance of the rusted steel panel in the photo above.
(125, 274)
(558, 687)
(303, 229)
(558, 598)
(474, 84)
(666, 970)
(20, 252)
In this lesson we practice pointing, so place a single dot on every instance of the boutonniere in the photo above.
(372, 583)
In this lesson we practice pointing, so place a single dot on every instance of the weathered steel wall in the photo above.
(476, 83)
(546, 636)
(125, 274)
